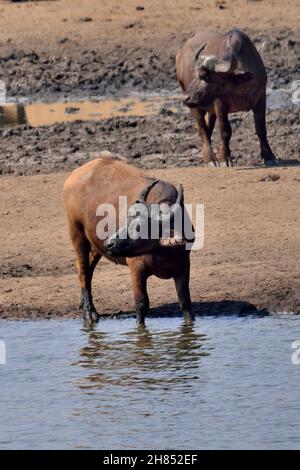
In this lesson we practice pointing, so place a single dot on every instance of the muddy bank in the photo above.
(167, 140)
(93, 73)
(57, 48)
(125, 67)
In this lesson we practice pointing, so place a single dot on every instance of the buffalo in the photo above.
(103, 181)
(222, 73)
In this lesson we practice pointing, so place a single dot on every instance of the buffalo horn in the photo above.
(143, 195)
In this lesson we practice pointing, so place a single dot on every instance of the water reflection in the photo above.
(142, 358)
(45, 114)
(12, 114)
(118, 388)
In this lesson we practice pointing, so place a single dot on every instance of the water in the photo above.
(140, 105)
(45, 114)
(226, 382)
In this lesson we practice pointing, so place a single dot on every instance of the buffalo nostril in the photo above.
(110, 245)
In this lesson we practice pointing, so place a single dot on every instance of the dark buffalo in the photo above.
(222, 73)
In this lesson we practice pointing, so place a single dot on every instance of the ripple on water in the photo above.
(225, 382)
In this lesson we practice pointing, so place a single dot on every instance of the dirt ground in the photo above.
(51, 50)
(250, 258)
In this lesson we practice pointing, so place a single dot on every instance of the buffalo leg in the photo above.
(225, 133)
(82, 249)
(259, 112)
(183, 292)
(209, 156)
(139, 285)
(210, 120)
(94, 258)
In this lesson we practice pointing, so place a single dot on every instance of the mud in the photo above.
(127, 68)
(122, 49)
(167, 140)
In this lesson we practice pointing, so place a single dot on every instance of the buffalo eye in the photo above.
(205, 76)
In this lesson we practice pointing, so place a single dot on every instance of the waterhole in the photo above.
(224, 382)
(45, 114)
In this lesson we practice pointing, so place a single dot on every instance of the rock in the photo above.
(220, 4)
(136, 155)
(85, 19)
(270, 177)
(32, 57)
(15, 55)
(89, 131)
(133, 24)
(63, 40)
(71, 110)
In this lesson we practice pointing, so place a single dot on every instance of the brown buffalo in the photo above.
(102, 181)
(222, 73)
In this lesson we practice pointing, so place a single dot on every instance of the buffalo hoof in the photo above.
(140, 325)
(212, 164)
(140, 320)
(210, 159)
(226, 164)
(90, 313)
(189, 317)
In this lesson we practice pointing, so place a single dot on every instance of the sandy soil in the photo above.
(52, 50)
(250, 258)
